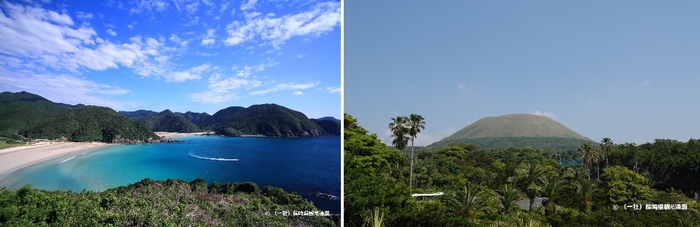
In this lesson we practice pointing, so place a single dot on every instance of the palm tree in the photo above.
(399, 132)
(551, 188)
(590, 155)
(415, 124)
(529, 174)
(585, 189)
(606, 145)
(376, 219)
(575, 173)
(472, 198)
(507, 196)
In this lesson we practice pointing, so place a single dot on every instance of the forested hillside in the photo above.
(22, 110)
(90, 123)
(329, 124)
(138, 115)
(169, 122)
(265, 119)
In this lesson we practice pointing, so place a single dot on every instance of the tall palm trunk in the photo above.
(410, 182)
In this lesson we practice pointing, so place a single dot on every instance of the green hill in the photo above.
(197, 119)
(90, 123)
(329, 124)
(266, 120)
(167, 121)
(516, 130)
(138, 115)
(22, 110)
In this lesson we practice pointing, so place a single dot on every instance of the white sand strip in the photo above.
(178, 134)
(17, 157)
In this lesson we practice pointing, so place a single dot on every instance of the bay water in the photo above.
(303, 165)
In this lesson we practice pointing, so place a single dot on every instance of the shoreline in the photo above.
(173, 135)
(15, 158)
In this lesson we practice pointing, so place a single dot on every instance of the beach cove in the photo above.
(303, 165)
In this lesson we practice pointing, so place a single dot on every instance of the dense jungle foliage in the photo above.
(167, 121)
(158, 203)
(547, 143)
(90, 123)
(494, 187)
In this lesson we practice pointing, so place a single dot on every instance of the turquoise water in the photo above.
(303, 165)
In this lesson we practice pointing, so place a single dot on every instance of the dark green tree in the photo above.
(606, 145)
(415, 124)
(399, 132)
(528, 174)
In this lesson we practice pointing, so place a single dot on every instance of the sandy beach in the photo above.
(174, 135)
(18, 157)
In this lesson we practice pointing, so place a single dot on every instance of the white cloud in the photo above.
(131, 25)
(207, 54)
(36, 40)
(297, 93)
(175, 39)
(281, 87)
(84, 16)
(335, 89)
(221, 87)
(111, 32)
(192, 8)
(546, 114)
(300, 56)
(193, 73)
(323, 18)
(148, 6)
(248, 5)
(209, 97)
(192, 22)
(209, 39)
(223, 7)
(646, 83)
(247, 71)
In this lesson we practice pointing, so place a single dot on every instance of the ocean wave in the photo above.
(213, 159)
(68, 159)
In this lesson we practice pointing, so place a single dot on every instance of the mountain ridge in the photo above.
(27, 113)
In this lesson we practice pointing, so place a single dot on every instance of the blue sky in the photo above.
(182, 55)
(627, 70)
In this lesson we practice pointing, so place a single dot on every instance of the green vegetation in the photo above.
(495, 186)
(138, 115)
(196, 118)
(329, 125)
(90, 123)
(265, 119)
(27, 115)
(516, 130)
(546, 143)
(158, 203)
(168, 121)
(20, 111)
